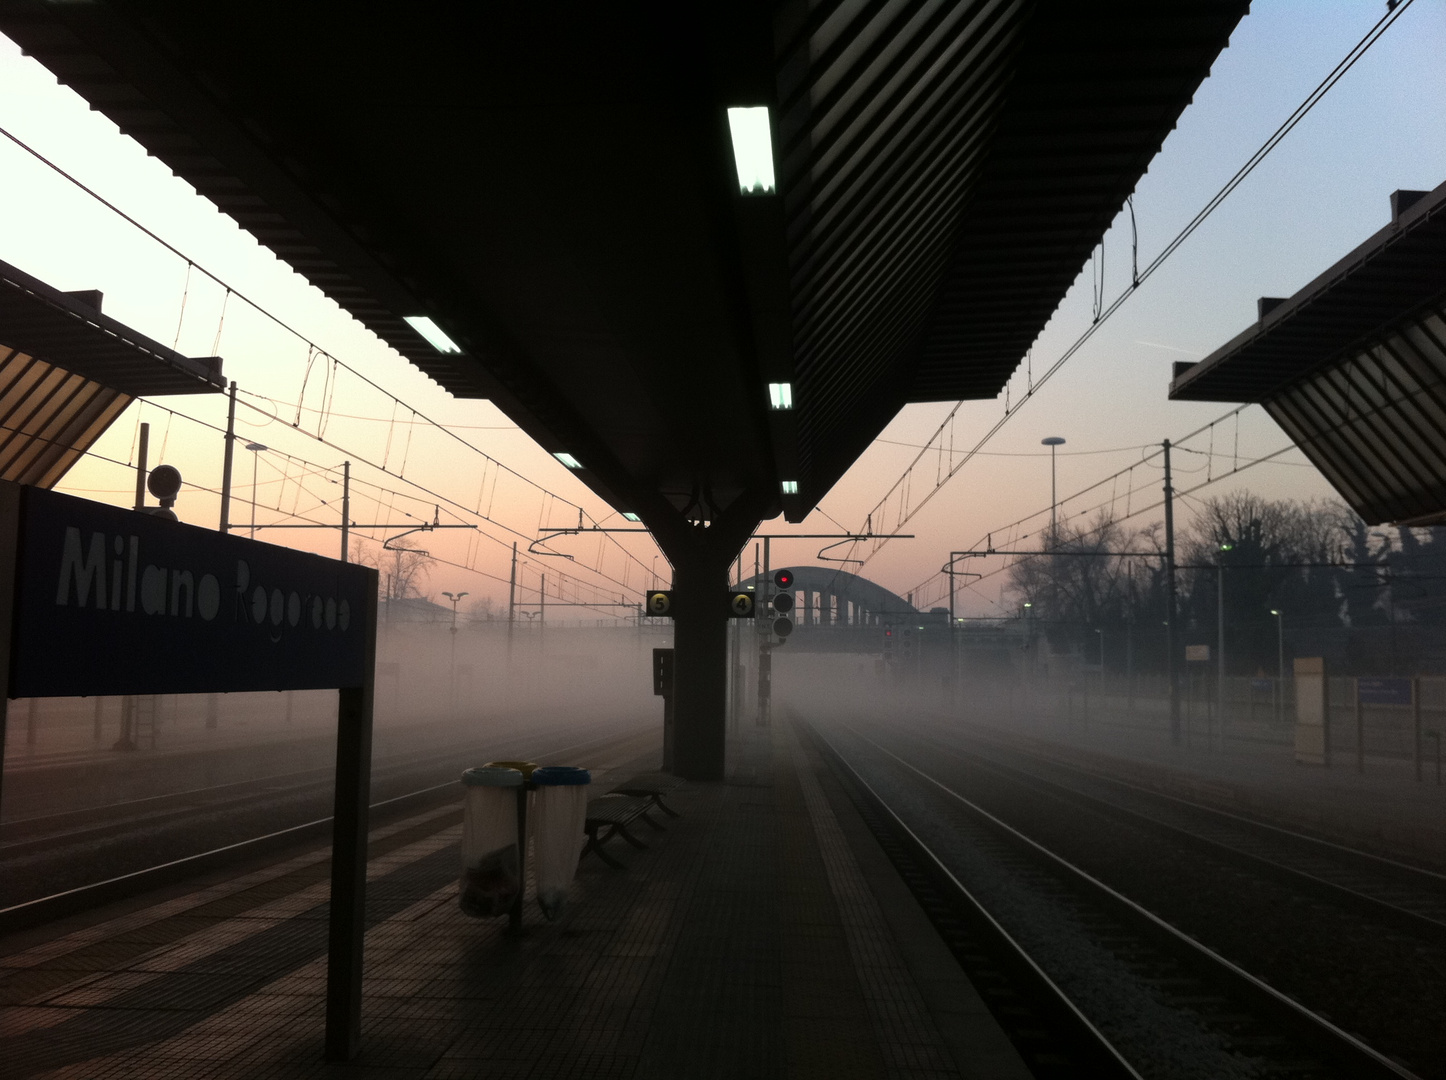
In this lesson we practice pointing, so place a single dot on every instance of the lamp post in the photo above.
(255, 448)
(1280, 668)
(1052, 442)
(456, 599)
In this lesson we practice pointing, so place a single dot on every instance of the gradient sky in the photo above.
(1320, 193)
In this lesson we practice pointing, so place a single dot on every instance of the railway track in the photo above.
(1154, 1000)
(1410, 898)
(79, 860)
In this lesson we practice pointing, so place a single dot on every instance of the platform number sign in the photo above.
(659, 602)
(740, 605)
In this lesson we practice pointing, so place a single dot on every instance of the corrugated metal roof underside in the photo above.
(46, 322)
(1398, 270)
(49, 417)
(1375, 424)
(938, 201)
(947, 169)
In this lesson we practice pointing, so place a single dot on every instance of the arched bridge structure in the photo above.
(828, 596)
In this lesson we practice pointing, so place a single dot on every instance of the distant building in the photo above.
(415, 610)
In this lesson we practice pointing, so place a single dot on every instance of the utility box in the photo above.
(1312, 719)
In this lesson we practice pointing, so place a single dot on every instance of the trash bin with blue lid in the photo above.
(558, 823)
(491, 862)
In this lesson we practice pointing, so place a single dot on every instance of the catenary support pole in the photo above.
(143, 445)
(1172, 661)
(345, 509)
(512, 598)
(228, 460)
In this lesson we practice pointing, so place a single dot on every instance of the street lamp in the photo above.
(456, 599)
(1052, 442)
(1280, 670)
(255, 448)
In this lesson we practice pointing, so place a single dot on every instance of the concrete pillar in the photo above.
(701, 556)
(700, 668)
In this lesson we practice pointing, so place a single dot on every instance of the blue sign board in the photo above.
(115, 601)
(1384, 691)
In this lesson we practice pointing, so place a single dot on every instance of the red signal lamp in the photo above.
(783, 579)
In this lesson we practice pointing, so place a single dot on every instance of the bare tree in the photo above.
(483, 608)
(401, 567)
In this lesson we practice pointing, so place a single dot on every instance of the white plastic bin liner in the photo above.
(491, 869)
(558, 817)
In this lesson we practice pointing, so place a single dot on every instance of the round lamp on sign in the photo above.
(783, 603)
(782, 627)
(164, 483)
(783, 579)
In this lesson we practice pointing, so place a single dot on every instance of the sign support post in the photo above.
(346, 931)
(9, 558)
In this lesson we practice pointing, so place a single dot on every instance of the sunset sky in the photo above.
(1320, 193)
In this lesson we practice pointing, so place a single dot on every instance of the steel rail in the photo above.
(1103, 1059)
(85, 897)
(1358, 1059)
(1401, 918)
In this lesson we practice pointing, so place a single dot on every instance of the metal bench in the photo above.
(615, 813)
(653, 786)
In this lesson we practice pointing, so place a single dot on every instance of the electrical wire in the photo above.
(1337, 73)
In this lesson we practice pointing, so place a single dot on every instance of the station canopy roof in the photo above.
(1353, 367)
(555, 187)
(67, 371)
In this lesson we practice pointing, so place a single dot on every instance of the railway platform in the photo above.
(764, 934)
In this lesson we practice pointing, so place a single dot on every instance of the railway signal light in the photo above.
(783, 579)
(783, 603)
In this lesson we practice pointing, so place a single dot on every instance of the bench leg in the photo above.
(665, 808)
(595, 846)
(655, 826)
(629, 837)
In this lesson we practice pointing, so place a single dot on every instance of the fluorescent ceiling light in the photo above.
(790, 487)
(568, 460)
(631, 517)
(433, 333)
(780, 395)
(752, 150)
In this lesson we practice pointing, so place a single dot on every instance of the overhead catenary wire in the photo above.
(908, 510)
(231, 290)
(432, 499)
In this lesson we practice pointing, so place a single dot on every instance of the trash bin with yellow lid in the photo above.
(491, 862)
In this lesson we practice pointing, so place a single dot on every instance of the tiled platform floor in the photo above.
(763, 935)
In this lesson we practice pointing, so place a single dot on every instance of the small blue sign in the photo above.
(1384, 691)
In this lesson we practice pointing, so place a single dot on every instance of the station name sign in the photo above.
(111, 601)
